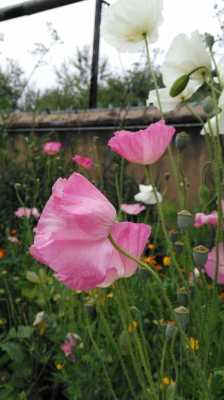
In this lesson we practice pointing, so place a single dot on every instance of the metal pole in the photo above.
(95, 56)
(32, 7)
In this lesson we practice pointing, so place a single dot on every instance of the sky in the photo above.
(75, 24)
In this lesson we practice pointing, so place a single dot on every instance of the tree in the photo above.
(72, 88)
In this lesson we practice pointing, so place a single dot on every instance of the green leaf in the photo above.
(14, 351)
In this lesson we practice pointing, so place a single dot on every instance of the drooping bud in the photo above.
(179, 85)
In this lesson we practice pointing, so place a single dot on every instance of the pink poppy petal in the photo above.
(132, 209)
(210, 266)
(132, 238)
(76, 210)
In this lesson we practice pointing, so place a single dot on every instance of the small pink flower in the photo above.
(210, 266)
(84, 162)
(144, 146)
(72, 236)
(52, 148)
(69, 345)
(202, 219)
(35, 213)
(132, 209)
(23, 212)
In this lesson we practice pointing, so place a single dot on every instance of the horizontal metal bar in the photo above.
(92, 128)
(32, 7)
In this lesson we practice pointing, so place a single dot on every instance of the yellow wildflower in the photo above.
(166, 261)
(133, 326)
(59, 366)
(193, 344)
(167, 380)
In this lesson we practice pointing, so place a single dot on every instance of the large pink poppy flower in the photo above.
(72, 236)
(144, 146)
(210, 266)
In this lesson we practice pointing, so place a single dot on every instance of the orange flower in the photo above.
(2, 253)
(151, 246)
(150, 260)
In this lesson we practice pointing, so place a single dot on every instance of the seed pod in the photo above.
(182, 296)
(182, 315)
(179, 246)
(185, 219)
(171, 329)
(200, 256)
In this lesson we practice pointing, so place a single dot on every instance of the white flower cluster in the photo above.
(128, 23)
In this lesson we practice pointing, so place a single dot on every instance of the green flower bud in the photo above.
(179, 85)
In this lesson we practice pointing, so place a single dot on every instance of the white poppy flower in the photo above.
(147, 195)
(125, 22)
(168, 103)
(184, 55)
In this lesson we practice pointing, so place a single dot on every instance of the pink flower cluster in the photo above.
(52, 148)
(75, 231)
(69, 345)
(72, 236)
(202, 219)
(22, 212)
